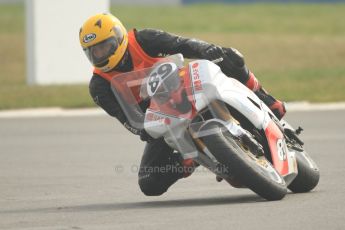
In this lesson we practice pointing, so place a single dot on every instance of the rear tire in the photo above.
(307, 177)
(227, 152)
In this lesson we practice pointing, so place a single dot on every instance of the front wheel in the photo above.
(255, 173)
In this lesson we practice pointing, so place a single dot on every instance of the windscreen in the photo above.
(133, 90)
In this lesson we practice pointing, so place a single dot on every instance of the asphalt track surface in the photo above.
(81, 173)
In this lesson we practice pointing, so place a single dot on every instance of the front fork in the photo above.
(283, 159)
(220, 115)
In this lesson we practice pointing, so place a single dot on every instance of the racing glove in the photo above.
(144, 136)
(213, 52)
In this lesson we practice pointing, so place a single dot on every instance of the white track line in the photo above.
(51, 112)
(306, 106)
(59, 112)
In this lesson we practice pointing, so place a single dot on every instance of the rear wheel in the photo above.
(255, 173)
(308, 174)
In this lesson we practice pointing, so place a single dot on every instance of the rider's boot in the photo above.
(189, 166)
(276, 106)
(185, 167)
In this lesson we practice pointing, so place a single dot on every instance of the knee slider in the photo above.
(151, 187)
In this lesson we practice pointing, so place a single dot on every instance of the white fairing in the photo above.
(173, 129)
(208, 84)
(216, 85)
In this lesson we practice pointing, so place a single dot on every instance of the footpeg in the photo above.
(292, 134)
(219, 179)
(299, 130)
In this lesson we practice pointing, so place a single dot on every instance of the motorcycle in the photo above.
(218, 123)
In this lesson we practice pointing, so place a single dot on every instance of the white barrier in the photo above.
(122, 2)
(54, 55)
(146, 2)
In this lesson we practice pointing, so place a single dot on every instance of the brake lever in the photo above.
(215, 61)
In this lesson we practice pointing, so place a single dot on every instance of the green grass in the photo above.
(296, 50)
(270, 19)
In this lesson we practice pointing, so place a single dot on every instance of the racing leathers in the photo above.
(157, 153)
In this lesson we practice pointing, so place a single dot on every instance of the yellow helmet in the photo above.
(104, 40)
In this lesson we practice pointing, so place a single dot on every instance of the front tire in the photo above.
(254, 176)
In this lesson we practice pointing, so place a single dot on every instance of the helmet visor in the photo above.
(100, 53)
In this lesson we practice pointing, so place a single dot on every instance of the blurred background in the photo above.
(296, 48)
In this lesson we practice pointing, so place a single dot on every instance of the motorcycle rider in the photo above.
(112, 50)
